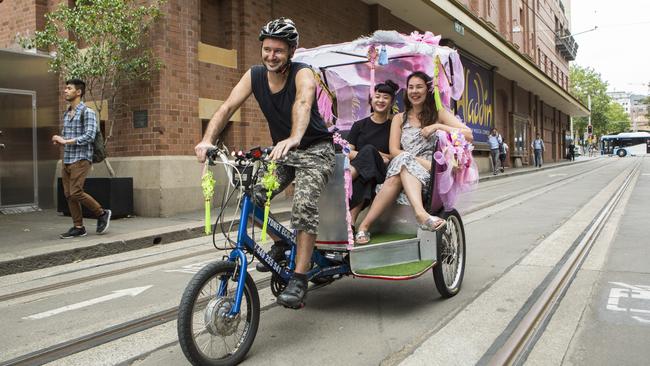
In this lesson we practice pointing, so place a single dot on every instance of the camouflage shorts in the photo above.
(310, 169)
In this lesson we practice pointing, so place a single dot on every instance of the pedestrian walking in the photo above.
(572, 151)
(495, 141)
(503, 153)
(538, 148)
(77, 138)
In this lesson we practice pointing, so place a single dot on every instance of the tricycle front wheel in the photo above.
(450, 268)
(208, 334)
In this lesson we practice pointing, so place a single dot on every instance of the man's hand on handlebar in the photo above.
(283, 147)
(201, 150)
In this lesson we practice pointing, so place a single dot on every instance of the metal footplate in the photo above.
(400, 259)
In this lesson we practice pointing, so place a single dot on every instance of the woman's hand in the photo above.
(427, 131)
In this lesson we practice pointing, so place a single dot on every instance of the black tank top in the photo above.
(277, 107)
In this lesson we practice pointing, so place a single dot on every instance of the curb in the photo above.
(527, 171)
(57, 258)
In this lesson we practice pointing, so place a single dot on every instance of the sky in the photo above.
(620, 48)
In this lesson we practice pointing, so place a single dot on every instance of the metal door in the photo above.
(18, 172)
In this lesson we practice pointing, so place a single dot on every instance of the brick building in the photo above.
(518, 49)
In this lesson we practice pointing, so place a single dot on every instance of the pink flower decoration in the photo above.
(428, 38)
(460, 173)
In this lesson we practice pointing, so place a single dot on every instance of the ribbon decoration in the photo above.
(436, 87)
(207, 184)
(345, 147)
(372, 58)
(270, 184)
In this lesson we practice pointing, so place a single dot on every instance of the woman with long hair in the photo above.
(369, 155)
(411, 149)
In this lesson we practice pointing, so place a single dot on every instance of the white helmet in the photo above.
(281, 28)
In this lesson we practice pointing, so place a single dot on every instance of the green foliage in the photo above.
(619, 121)
(103, 42)
(586, 81)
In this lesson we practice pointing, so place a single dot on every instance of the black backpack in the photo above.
(99, 150)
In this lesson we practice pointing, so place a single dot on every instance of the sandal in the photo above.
(362, 237)
(433, 223)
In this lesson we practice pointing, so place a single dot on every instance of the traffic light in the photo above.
(590, 129)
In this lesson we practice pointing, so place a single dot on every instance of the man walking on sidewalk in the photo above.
(78, 135)
(538, 148)
(494, 140)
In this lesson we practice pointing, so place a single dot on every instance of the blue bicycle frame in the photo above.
(322, 267)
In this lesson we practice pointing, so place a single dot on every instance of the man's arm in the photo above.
(300, 113)
(218, 122)
(90, 129)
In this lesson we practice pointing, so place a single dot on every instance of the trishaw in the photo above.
(220, 309)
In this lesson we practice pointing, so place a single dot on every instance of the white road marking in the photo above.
(626, 291)
(557, 175)
(135, 291)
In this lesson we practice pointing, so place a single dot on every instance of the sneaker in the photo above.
(277, 253)
(103, 221)
(294, 294)
(503, 169)
(74, 232)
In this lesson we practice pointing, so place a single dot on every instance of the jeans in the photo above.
(494, 157)
(538, 157)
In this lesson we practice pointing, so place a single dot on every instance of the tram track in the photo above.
(115, 332)
(505, 200)
(521, 339)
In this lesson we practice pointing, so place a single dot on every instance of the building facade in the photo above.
(516, 54)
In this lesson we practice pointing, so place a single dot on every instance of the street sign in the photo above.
(459, 28)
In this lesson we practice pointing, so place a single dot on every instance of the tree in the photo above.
(585, 82)
(104, 43)
(618, 120)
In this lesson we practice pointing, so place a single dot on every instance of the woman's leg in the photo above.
(354, 213)
(353, 172)
(385, 197)
(413, 189)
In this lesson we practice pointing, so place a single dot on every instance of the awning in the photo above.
(486, 44)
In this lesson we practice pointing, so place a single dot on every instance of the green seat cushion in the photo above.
(398, 270)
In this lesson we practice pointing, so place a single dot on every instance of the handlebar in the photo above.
(241, 157)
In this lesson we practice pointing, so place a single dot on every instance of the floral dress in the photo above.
(414, 145)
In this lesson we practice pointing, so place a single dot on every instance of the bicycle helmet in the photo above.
(280, 28)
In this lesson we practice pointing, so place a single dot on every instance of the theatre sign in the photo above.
(476, 106)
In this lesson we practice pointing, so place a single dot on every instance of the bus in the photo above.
(626, 143)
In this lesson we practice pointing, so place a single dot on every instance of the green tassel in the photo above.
(208, 225)
(267, 210)
(207, 184)
(270, 183)
(436, 90)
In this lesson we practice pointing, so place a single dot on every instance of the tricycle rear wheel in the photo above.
(450, 267)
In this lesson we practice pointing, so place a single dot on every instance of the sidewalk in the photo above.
(31, 240)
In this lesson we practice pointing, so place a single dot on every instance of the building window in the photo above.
(520, 133)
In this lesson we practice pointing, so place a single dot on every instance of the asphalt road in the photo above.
(517, 229)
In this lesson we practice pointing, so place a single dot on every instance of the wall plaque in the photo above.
(140, 119)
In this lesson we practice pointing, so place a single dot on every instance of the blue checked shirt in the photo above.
(84, 135)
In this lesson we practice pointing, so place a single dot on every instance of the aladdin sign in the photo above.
(476, 106)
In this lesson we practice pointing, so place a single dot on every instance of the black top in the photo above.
(366, 132)
(277, 107)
